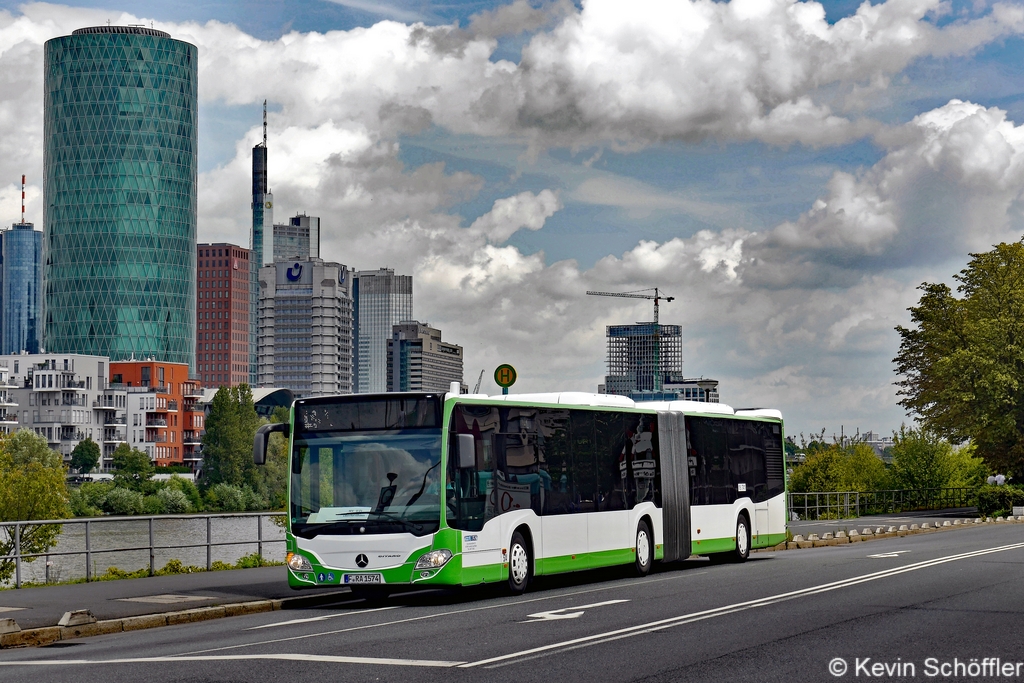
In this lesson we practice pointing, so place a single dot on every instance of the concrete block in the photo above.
(840, 534)
(782, 546)
(9, 626)
(827, 536)
(926, 525)
(792, 545)
(956, 522)
(812, 537)
(193, 615)
(33, 637)
(1000, 519)
(798, 538)
(819, 544)
(253, 607)
(867, 532)
(77, 617)
(903, 527)
(97, 628)
(145, 621)
(946, 523)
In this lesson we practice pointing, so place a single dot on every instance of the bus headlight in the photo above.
(434, 559)
(298, 563)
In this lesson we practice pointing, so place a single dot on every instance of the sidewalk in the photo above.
(45, 605)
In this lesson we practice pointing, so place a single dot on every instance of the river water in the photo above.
(239, 530)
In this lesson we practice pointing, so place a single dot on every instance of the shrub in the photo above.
(190, 490)
(995, 501)
(176, 567)
(123, 502)
(174, 501)
(225, 498)
(253, 500)
(253, 560)
(153, 505)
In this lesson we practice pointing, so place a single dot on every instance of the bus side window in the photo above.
(555, 461)
(583, 460)
(613, 452)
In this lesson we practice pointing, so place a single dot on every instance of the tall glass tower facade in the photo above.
(120, 157)
(21, 291)
(380, 300)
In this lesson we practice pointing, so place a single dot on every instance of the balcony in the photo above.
(115, 421)
(191, 438)
(172, 405)
(115, 437)
(156, 422)
(192, 391)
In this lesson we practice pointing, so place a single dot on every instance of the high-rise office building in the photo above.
(21, 293)
(298, 239)
(380, 300)
(419, 361)
(641, 356)
(222, 342)
(120, 155)
(262, 224)
(305, 340)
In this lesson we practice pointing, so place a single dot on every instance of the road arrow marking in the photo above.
(894, 553)
(555, 614)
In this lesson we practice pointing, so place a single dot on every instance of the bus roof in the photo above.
(579, 398)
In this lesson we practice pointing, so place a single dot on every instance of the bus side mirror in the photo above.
(259, 442)
(467, 452)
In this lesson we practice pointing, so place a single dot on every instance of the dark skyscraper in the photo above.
(262, 216)
(120, 162)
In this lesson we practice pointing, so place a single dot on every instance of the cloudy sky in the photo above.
(789, 171)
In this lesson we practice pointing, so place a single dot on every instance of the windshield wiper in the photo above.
(315, 529)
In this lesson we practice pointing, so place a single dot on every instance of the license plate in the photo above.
(363, 578)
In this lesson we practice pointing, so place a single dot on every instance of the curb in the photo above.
(841, 537)
(45, 635)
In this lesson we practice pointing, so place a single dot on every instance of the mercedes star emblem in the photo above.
(362, 560)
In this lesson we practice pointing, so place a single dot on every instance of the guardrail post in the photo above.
(17, 556)
(152, 553)
(259, 536)
(88, 554)
(209, 543)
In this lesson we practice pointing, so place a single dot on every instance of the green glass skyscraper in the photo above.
(120, 157)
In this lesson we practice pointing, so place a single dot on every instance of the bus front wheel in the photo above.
(518, 564)
(644, 549)
(742, 551)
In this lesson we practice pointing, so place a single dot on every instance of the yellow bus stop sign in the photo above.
(505, 376)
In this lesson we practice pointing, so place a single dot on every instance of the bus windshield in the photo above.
(366, 482)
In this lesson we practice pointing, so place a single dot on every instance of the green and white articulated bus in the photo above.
(432, 489)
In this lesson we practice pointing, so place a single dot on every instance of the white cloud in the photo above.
(525, 210)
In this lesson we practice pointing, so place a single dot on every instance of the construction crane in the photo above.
(636, 294)
(639, 294)
(476, 389)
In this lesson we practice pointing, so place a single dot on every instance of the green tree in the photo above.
(227, 443)
(923, 460)
(85, 456)
(132, 468)
(962, 362)
(823, 470)
(32, 486)
(863, 470)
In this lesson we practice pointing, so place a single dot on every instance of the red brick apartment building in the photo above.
(222, 314)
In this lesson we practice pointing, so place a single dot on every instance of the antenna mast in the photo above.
(264, 123)
(23, 198)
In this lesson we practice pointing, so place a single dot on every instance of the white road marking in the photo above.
(12, 609)
(166, 599)
(598, 638)
(449, 613)
(291, 657)
(894, 553)
(322, 618)
(564, 613)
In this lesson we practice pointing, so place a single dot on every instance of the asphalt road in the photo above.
(947, 599)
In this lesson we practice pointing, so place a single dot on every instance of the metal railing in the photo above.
(18, 557)
(815, 505)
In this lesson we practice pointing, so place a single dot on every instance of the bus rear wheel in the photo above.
(644, 549)
(519, 562)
